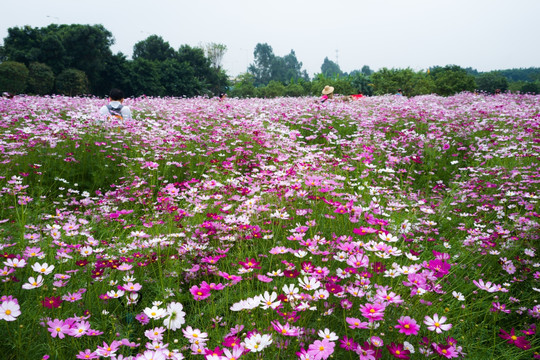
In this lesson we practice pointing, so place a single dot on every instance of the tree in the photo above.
(531, 87)
(272, 90)
(215, 53)
(262, 68)
(388, 81)
(87, 48)
(145, 78)
(72, 82)
(366, 70)
(361, 82)
(452, 79)
(40, 79)
(491, 81)
(330, 68)
(115, 74)
(83, 47)
(153, 48)
(244, 86)
(13, 76)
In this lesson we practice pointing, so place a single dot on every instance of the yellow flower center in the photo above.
(8, 312)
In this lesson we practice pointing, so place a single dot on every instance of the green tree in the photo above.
(330, 68)
(272, 90)
(261, 69)
(366, 70)
(531, 87)
(361, 82)
(492, 81)
(295, 89)
(13, 77)
(145, 78)
(40, 79)
(116, 74)
(452, 79)
(342, 85)
(388, 81)
(72, 82)
(153, 48)
(83, 47)
(88, 49)
(243, 86)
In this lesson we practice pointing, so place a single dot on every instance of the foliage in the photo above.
(145, 78)
(40, 79)
(243, 86)
(214, 53)
(72, 82)
(269, 67)
(451, 79)
(153, 48)
(330, 69)
(388, 81)
(13, 77)
(492, 82)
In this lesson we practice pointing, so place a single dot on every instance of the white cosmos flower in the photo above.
(268, 300)
(154, 312)
(175, 316)
(33, 283)
(44, 268)
(258, 342)
(458, 295)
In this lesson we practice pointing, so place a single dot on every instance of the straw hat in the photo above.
(328, 90)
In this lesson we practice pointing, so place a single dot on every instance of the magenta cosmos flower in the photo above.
(200, 293)
(407, 326)
(398, 351)
(519, 341)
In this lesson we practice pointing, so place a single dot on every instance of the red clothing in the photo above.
(357, 96)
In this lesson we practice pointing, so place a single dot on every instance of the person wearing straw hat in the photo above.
(327, 93)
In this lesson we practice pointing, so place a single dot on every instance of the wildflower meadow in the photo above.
(384, 228)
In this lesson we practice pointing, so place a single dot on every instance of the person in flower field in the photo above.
(114, 109)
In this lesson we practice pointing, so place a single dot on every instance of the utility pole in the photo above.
(337, 57)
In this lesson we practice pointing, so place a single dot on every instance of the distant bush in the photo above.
(40, 79)
(72, 82)
(13, 77)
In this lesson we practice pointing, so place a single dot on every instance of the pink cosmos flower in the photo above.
(58, 328)
(407, 326)
(286, 330)
(374, 312)
(321, 349)
(436, 324)
(447, 351)
(355, 323)
(87, 354)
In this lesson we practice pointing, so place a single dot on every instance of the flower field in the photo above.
(271, 228)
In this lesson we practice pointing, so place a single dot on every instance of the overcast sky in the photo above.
(483, 34)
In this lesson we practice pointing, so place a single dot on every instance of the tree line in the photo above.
(77, 60)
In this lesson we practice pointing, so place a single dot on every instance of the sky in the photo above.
(482, 34)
